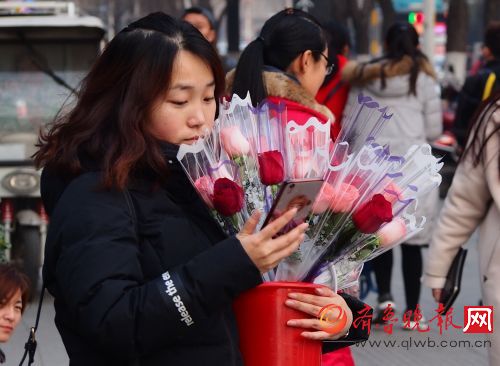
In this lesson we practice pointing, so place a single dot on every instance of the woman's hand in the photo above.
(436, 293)
(264, 251)
(312, 305)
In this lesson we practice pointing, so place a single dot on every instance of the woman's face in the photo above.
(10, 315)
(311, 72)
(200, 22)
(187, 109)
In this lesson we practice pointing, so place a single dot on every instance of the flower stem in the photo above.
(234, 222)
(348, 235)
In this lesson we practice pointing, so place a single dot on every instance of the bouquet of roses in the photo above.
(238, 166)
(345, 186)
(353, 168)
(381, 220)
(367, 192)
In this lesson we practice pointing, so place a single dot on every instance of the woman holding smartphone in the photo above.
(140, 272)
(287, 63)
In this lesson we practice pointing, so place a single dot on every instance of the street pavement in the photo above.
(407, 347)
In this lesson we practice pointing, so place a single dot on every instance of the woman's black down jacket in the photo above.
(162, 299)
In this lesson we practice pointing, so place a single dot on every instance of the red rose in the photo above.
(371, 215)
(228, 197)
(271, 169)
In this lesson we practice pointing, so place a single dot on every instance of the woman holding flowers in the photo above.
(473, 201)
(140, 272)
(404, 80)
(287, 63)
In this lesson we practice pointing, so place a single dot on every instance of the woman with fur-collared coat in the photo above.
(405, 81)
(284, 89)
(473, 201)
(287, 64)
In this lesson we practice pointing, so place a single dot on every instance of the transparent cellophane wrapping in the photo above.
(270, 149)
(354, 155)
(416, 176)
(350, 181)
(225, 152)
(351, 174)
(411, 178)
(358, 169)
(363, 120)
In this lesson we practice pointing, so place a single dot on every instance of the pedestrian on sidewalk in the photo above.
(140, 272)
(473, 201)
(404, 80)
(204, 20)
(334, 91)
(14, 295)
(479, 86)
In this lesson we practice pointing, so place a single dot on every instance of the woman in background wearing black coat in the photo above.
(140, 273)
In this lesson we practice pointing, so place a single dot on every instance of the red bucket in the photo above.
(265, 338)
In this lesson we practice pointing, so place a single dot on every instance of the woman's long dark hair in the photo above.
(401, 40)
(109, 124)
(480, 133)
(283, 37)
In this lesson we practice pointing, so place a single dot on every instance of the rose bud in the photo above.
(323, 199)
(345, 197)
(228, 197)
(392, 192)
(271, 167)
(233, 141)
(372, 214)
(205, 188)
(392, 232)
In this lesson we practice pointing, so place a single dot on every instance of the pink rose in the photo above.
(337, 199)
(345, 196)
(392, 232)
(392, 192)
(302, 166)
(234, 142)
(205, 188)
(323, 199)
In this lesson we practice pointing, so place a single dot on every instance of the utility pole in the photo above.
(429, 22)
